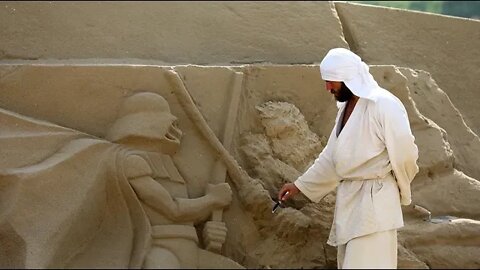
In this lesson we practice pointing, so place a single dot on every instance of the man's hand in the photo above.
(290, 188)
(220, 193)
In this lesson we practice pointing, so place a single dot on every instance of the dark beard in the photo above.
(344, 94)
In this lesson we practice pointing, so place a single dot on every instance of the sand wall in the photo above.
(170, 32)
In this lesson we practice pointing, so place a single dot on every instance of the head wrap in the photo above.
(342, 65)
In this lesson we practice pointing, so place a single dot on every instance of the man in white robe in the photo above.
(370, 157)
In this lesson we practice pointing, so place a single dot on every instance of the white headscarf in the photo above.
(342, 65)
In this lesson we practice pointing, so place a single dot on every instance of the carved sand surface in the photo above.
(134, 141)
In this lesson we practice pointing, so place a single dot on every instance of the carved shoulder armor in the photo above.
(136, 166)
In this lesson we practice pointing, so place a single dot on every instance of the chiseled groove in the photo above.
(347, 33)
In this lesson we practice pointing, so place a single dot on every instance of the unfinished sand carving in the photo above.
(278, 156)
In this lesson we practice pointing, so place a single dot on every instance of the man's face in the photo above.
(339, 90)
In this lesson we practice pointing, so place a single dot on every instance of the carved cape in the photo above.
(64, 200)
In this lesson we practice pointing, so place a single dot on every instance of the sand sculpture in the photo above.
(128, 164)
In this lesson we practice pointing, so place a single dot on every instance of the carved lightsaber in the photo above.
(238, 175)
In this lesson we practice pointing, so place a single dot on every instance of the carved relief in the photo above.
(104, 194)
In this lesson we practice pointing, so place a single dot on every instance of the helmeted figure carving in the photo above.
(71, 200)
(146, 126)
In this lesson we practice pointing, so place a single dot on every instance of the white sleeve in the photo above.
(321, 177)
(400, 144)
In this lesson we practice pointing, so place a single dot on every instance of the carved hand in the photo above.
(220, 193)
(214, 234)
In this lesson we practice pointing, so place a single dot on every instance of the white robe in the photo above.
(375, 142)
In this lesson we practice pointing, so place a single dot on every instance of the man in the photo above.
(370, 157)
